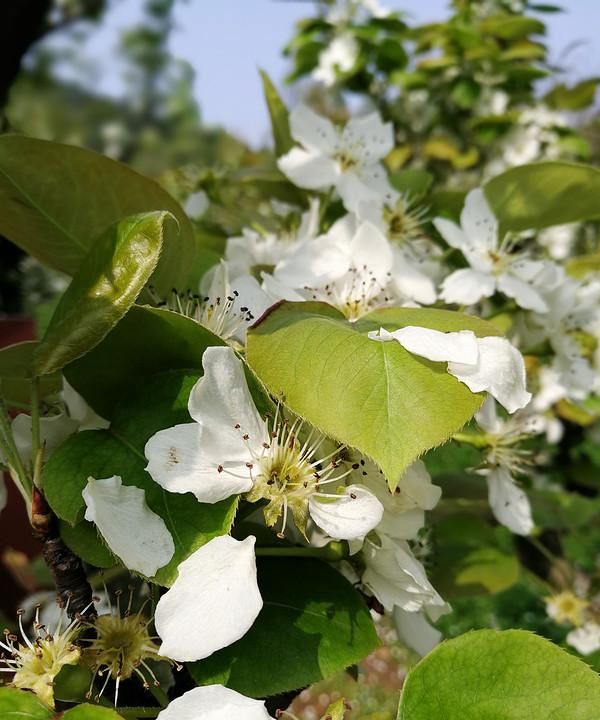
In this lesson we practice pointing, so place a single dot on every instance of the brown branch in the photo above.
(72, 586)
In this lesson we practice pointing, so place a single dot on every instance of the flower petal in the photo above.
(371, 252)
(350, 517)
(525, 295)
(54, 430)
(308, 169)
(509, 503)
(479, 222)
(220, 401)
(177, 461)
(415, 631)
(135, 534)
(586, 639)
(467, 286)
(214, 702)
(487, 418)
(368, 136)
(313, 131)
(214, 601)
(500, 371)
(438, 346)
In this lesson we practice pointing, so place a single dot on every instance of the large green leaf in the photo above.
(105, 286)
(56, 200)
(16, 373)
(158, 403)
(146, 341)
(544, 194)
(313, 623)
(280, 120)
(21, 705)
(373, 396)
(500, 675)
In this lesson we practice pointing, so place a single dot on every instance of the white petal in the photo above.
(586, 639)
(313, 131)
(350, 517)
(525, 295)
(487, 418)
(214, 702)
(179, 463)
(220, 400)
(451, 232)
(467, 286)
(381, 335)
(214, 601)
(439, 346)
(500, 371)
(355, 191)
(54, 431)
(416, 484)
(135, 534)
(248, 294)
(308, 169)
(196, 204)
(415, 631)
(479, 222)
(369, 136)
(80, 411)
(371, 252)
(412, 283)
(314, 263)
(509, 503)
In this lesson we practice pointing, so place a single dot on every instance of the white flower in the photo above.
(133, 532)
(349, 268)
(586, 639)
(196, 204)
(230, 449)
(213, 602)
(339, 57)
(214, 702)
(489, 364)
(396, 577)
(403, 509)
(558, 240)
(493, 267)
(415, 630)
(509, 503)
(54, 430)
(348, 159)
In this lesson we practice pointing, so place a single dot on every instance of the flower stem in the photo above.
(35, 430)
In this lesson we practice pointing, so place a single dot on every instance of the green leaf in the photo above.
(91, 712)
(313, 623)
(158, 403)
(145, 342)
(508, 675)
(21, 705)
(84, 541)
(512, 27)
(280, 117)
(55, 200)
(336, 711)
(415, 183)
(106, 285)
(373, 396)
(544, 194)
(578, 97)
(16, 363)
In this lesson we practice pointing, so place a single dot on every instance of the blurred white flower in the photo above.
(339, 57)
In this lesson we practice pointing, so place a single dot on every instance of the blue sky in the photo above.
(227, 40)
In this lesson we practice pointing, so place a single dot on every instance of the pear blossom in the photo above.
(489, 364)
(349, 268)
(347, 159)
(508, 502)
(213, 602)
(252, 252)
(214, 702)
(230, 449)
(414, 629)
(585, 639)
(396, 577)
(566, 607)
(493, 267)
(120, 512)
(339, 57)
